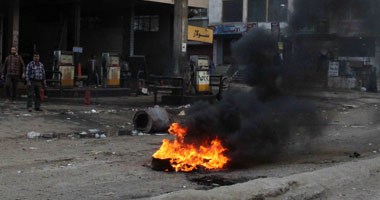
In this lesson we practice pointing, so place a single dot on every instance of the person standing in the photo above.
(35, 77)
(13, 67)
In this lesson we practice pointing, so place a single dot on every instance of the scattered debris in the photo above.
(19, 172)
(33, 135)
(350, 106)
(27, 115)
(49, 135)
(182, 113)
(33, 148)
(93, 111)
(355, 155)
(93, 131)
(363, 89)
(161, 134)
(69, 112)
(134, 132)
(216, 181)
(357, 126)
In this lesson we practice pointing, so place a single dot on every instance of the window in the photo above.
(198, 13)
(277, 10)
(257, 10)
(147, 23)
(352, 10)
(232, 10)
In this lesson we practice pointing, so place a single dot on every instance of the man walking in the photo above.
(12, 69)
(35, 77)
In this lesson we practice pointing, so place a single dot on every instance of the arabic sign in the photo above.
(233, 29)
(333, 68)
(200, 34)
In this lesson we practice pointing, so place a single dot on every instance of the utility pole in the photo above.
(180, 36)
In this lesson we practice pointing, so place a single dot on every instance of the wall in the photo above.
(156, 46)
(215, 12)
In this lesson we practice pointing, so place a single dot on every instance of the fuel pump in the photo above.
(64, 62)
(200, 66)
(111, 69)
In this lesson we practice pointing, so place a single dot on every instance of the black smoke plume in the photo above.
(311, 13)
(254, 125)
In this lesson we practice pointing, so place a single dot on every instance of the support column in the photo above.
(180, 36)
(132, 31)
(77, 18)
(219, 51)
(128, 31)
(1, 37)
(15, 21)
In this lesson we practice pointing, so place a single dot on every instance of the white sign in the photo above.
(333, 68)
(203, 81)
(184, 47)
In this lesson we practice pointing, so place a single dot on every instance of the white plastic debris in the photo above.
(144, 90)
(182, 113)
(103, 136)
(32, 135)
(19, 172)
(33, 148)
(83, 133)
(93, 111)
(27, 115)
(161, 134)
(135, 132)
(363, 89)
(97, 136)
(95, 130)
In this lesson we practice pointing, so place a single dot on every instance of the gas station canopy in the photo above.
(192, 3)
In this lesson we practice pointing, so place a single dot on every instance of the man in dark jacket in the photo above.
(35, 77)
(12, 69)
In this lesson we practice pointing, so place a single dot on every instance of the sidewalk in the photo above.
(310, 185)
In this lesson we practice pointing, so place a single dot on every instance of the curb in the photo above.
(309, 185)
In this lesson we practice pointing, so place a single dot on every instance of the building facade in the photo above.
(133, 27)
(232, 18)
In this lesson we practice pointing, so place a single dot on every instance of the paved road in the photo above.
(118, 167)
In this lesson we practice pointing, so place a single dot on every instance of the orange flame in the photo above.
(188, 157)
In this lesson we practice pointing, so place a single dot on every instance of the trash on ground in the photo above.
(363, 89)
(33, 135)
(357, 126)
(49, 135)
(33, 148)
(182, 113)
(350, 106)
(161, 134)
(83, 133)
(93, 131)
(355, 155)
